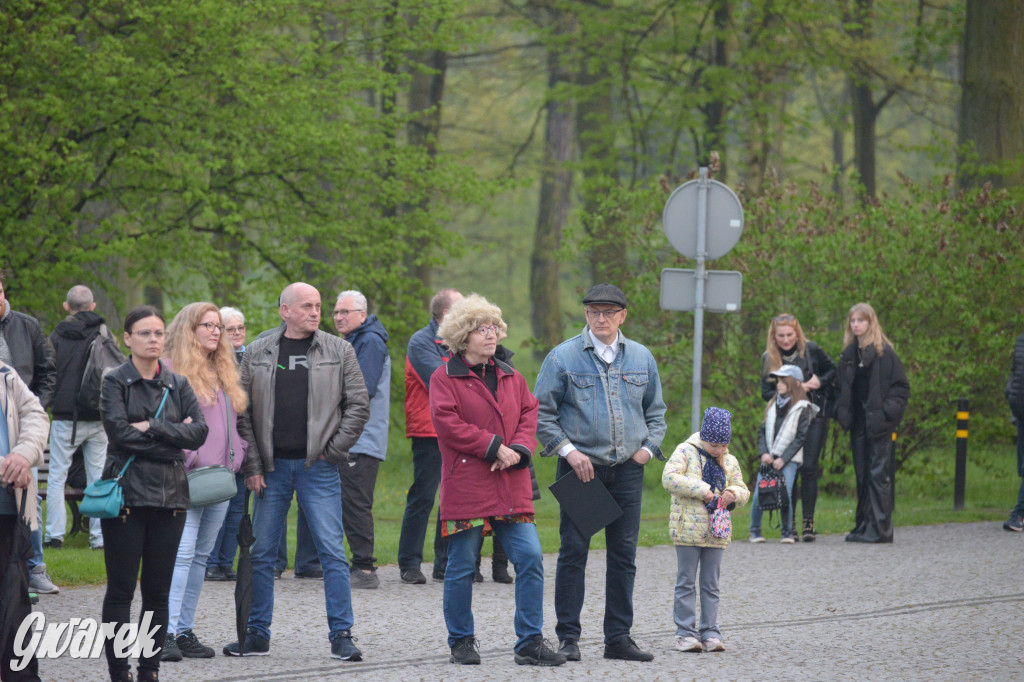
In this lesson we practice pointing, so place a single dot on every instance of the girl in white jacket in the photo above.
(702, 476)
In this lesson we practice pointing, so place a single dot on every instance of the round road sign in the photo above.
(724, 219)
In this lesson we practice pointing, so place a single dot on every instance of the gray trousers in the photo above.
(684, 611)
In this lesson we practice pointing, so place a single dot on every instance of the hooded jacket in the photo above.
(471, 423)
(31, 353)
(689, 522)
(71, 340)
(370, 343)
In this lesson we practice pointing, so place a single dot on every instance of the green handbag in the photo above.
(215, 483)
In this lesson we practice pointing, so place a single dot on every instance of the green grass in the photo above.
(924, 495)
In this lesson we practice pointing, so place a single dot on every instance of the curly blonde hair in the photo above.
(466, 315)
(206, 372)
(874, 336)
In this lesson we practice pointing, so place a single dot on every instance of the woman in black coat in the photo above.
(151, 414)
(787, 345)
(873, 394)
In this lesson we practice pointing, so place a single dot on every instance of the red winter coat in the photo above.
(470, 426)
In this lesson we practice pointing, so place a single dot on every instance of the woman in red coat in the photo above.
(486, 423)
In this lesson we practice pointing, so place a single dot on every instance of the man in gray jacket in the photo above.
(307, 407)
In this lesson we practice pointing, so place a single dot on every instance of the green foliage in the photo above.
(205, 149)
(934, 262)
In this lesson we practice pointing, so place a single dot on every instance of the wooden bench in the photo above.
(72, 496)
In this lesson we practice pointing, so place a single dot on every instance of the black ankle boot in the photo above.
(808, 533)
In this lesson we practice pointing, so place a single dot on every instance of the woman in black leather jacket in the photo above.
(873, 394)
(152, 414)
(787, 345)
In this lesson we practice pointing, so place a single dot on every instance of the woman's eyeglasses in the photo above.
(210, 326)
(147, 334)
(485, 329)
(235, 330)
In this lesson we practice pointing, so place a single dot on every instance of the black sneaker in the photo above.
(53, 543)
(569, 648)
(537, 652)
(364, 579)
(191, 647)
(343, 647)
(478, 577)
(438, 575)
(626, 649)
(215, 574)
(413, 576)
(465, 652)
(170, 652)
(1015, 523)
(313, 574)
(229, 574)
(809, 534)
(277, 573)
(255, 645)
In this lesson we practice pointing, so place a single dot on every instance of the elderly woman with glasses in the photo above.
(486, 423)
(787, 345)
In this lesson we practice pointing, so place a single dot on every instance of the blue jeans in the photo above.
(523, 547)
(788, 475)
(36, 537)
(197, 540)
(93, 439)
(224, 549)
(305, 551)
(625, 482)
(318, 489)
(426, 466)
(684, 610)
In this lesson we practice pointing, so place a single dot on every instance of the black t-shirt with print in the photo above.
(291, 392)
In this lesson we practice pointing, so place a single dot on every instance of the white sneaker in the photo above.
(787, 540)
(756, 538)
(687, 644)
(713, 644)
(39, 581)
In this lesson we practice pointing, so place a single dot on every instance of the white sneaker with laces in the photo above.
(713, 644)
(687, 644)
(756, 538)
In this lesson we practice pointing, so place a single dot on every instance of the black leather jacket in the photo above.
(31, 352)
(888, 390)
(157, 476)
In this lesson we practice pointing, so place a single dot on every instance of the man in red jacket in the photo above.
(425, 353)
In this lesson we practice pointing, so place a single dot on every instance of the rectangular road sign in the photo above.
(723, 290)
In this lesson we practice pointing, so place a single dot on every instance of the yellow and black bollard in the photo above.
(960, 478)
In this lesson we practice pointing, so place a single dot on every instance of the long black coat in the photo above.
(888, 389)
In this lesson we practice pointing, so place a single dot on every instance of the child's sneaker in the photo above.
(756, 537)
(787, 538)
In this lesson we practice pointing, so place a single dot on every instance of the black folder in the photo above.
(589, 505)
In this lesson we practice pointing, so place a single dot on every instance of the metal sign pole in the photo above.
(698, 311)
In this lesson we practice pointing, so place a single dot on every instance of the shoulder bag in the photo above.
(215, 483)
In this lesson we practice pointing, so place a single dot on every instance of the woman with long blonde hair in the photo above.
(873, 394)
(787, 345)
(198, 349)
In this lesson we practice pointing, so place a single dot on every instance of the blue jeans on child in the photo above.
(788, 475)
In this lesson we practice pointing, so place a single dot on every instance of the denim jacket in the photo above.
(607, 411)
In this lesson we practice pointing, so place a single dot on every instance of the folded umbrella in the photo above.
(243, 581)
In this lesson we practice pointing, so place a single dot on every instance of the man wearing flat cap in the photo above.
(602, 414)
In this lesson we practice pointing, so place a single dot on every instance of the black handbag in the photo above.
(771, 489)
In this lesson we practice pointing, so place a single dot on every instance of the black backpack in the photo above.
(104, 355)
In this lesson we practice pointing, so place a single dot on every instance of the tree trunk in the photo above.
(992, 104)
(552, 213)
(865, 117)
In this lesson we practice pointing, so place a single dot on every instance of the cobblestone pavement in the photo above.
(943, 602)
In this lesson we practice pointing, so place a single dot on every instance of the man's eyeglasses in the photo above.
(147, 334)
(235, 330)
(485, 329)
(606, 314)
(210, 326)
(343, 313)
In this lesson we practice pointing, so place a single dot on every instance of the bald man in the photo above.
(307, 407)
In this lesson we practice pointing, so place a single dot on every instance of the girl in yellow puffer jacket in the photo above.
(701, 475)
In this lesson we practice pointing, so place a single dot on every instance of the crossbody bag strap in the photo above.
(230, 427)
(124, 468)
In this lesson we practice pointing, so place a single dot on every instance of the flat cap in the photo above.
(605, 293)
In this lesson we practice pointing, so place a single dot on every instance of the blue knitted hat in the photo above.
(717, 426)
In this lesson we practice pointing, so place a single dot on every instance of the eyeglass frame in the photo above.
(149, 333)
(483, 330)
(210, 326)
(235, 330)
(346, 313)
(603, 314)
